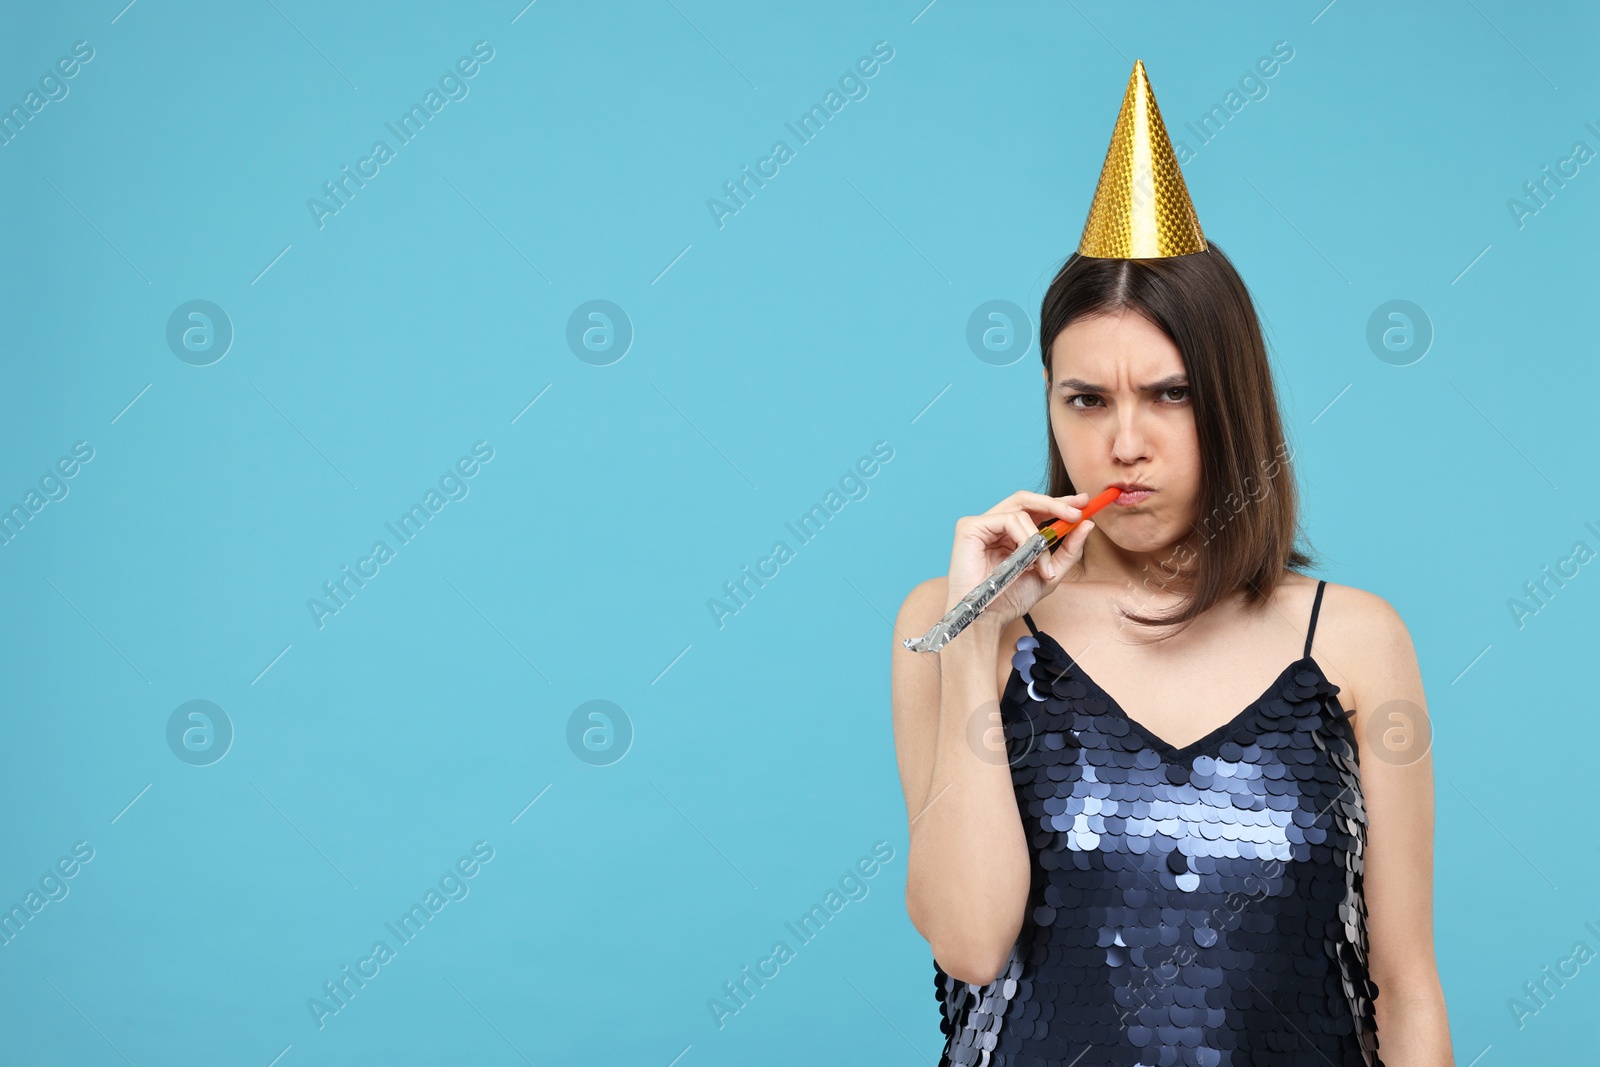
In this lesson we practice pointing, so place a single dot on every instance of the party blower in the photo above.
(1051, 533)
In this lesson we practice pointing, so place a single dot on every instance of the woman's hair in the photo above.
(1247, 520)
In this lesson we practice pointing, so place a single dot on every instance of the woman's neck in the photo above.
(1154, 573)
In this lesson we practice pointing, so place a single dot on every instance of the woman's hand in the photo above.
(982, 542)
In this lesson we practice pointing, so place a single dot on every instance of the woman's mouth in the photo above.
(1132, 497)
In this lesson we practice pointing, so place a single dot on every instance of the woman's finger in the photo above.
(989, 527)
(1021, 527)
(1073, 548)
(1066, 507)
(980, 539)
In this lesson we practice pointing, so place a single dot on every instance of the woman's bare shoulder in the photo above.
(1362, 643)
(923, 606)
(1358, 613)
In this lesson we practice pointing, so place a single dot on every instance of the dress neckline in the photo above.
(1164, 747)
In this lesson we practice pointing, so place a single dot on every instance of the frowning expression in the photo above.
(1122, 414)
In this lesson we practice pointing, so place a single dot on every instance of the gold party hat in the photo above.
(1141, 207)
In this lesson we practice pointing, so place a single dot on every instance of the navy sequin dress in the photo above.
(1198, 905)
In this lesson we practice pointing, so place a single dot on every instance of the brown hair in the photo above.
(1249, 534)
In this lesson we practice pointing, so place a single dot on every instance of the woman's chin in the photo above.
(1143, 534)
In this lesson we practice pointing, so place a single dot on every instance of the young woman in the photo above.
(1170, 799)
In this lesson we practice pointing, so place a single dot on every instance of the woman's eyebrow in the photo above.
(1171, 381)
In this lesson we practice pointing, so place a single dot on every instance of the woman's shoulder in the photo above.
(1346, 608)
(1361, 641)
(927, 603)
(924, 605)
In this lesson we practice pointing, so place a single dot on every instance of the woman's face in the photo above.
(1120, 411)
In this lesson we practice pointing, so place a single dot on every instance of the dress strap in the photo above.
(1316, 606)
(1029, 620)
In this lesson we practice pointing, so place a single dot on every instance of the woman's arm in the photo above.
(1394, 741)
(968, 871)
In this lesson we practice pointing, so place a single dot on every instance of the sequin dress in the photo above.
(1198, 905)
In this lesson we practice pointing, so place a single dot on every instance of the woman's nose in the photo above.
(1129, 439)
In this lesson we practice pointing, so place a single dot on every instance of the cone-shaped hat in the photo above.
(1141, 207)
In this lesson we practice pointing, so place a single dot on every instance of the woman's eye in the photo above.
(1092, 400)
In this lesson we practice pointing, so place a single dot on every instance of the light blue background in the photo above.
(769, 355)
